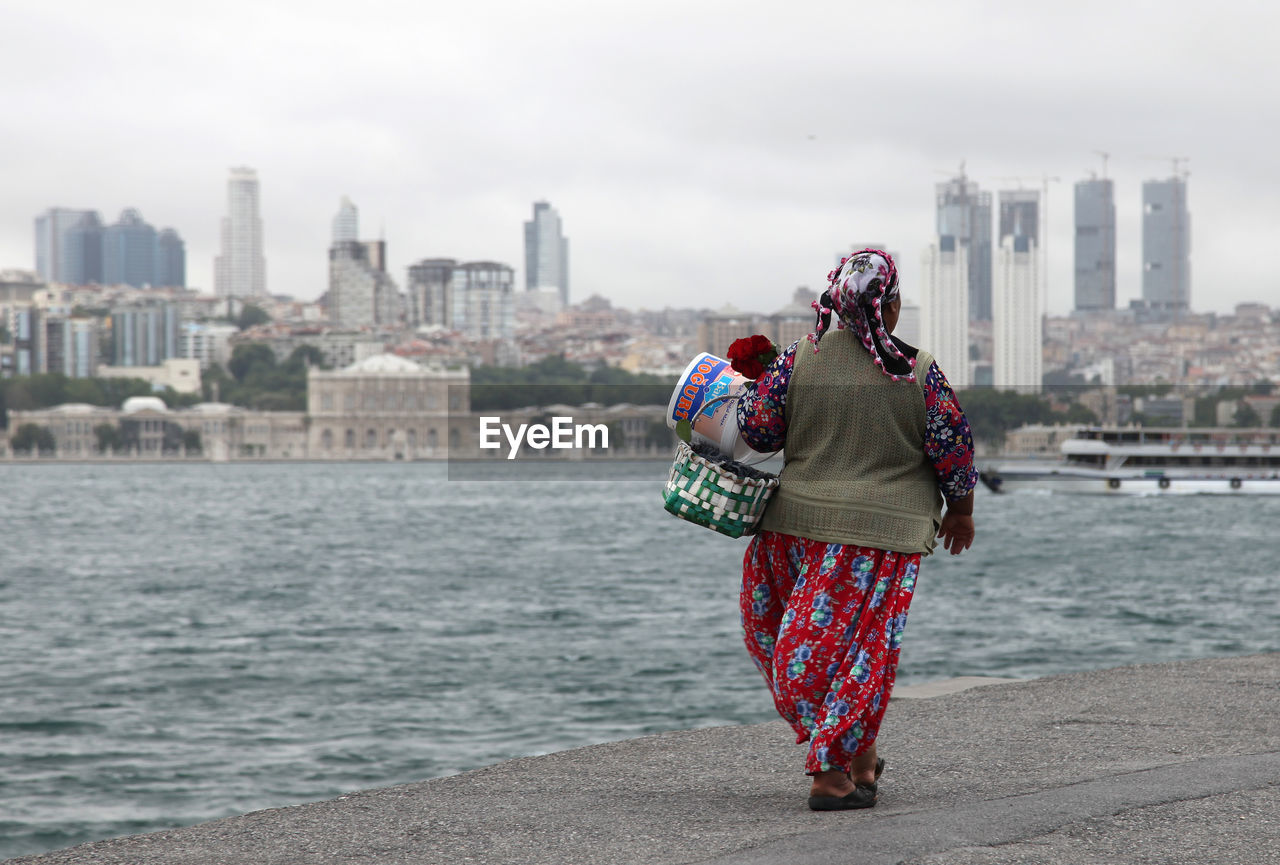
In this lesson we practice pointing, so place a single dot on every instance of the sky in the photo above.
(699, 153)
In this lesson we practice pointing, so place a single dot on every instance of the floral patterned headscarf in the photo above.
(856, 292)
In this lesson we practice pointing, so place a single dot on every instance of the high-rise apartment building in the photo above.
(964, 213)
(474, 298)
(944, 308)
(27, 333)
(241, 269)
(1095, 245)
(1166, 245)
(134, 253)
(206, 343)
(483, 308)
(77, 249)
(361, 293)
(71, 346)
(51, 229)
(908, 329)
(81, 251)
(170, 260)
(346, 224)
(1017, 293)
(546, 252)
(144, 334)
(1016, 325)
(431, 292)
(129, 251)
(20, 319)
(1019, 215)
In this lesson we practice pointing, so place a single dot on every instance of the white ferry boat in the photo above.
(1151, 461)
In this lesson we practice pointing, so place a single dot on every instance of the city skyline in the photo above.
(675, 192)
(1017, 214)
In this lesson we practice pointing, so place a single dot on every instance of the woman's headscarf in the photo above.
(856, 291)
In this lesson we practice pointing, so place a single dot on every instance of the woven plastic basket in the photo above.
(707, 493)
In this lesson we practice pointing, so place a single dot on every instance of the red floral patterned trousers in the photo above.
(823, 623)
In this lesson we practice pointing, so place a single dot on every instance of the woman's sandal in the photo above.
(879, 772)
(863, 796)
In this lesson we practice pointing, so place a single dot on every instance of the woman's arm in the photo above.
(762, 409)
(949, 445)
(957, 529)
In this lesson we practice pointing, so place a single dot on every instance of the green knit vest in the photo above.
(856, 471)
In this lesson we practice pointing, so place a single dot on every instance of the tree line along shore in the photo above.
(254, 379)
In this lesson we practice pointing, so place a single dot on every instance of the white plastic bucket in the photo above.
(714, 421)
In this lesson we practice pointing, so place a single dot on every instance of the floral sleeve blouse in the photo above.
(948, 442)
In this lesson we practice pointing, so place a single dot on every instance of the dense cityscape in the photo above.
(373, 370)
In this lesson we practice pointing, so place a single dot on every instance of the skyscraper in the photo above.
(1016, 328)
(346, 224)
(546, 252)
(1095, 250)
(964, 213)
(145, 334)
(431, 292)
(483, 307)
(28, 337)
(206, 342)
(1166, 244)
(474, 298)
(129, 251)
(81, 251)
(944, 308)
(71, 346)
(51, 230)
(361, 293)
(241, 269)
(170, 260)
(1019, 214)
(1016, 308)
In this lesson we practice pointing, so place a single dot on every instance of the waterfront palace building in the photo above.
(382, 408)
(387, 407)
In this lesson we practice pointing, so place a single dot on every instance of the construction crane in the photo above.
(1105, 156)
(1176, 161)
(951, 173)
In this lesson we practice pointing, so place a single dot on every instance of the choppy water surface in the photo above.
(184, 642)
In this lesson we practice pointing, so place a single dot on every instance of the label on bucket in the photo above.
(708, 377)
(718, 387)
(696, 399)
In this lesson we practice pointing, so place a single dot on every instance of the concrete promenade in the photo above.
(1168, 763)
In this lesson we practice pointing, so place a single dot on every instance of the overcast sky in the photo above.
(698, 152)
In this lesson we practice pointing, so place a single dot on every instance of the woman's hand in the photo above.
(956, 532)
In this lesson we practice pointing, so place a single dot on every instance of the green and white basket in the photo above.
(706, 493)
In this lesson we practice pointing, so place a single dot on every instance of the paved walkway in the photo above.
(1168, 763)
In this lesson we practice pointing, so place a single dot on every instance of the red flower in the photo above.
(750, 355)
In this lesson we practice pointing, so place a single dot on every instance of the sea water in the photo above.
(185, 642)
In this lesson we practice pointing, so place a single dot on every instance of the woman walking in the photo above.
(875, 441)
